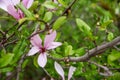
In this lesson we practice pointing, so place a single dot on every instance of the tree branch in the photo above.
(71, 4)
(19, 66)
(93, 52)
(107, 71)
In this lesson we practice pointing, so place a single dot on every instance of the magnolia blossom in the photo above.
(55, 1)
(60, 71)
(42, 49)
(10, 7)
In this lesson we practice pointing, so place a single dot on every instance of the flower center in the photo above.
(43, 49)
(21, 15)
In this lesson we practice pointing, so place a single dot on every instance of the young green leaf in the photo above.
(84, 28)
(59, 22)
(115, 55)
(62, 2)
(110, 36)
(105, 24)
(34, 5)
(50, 5)
(6, 59)
(35, 61)
(80, 51)
(82, 25)
(6, 69)
(69, 50)
(48, 16)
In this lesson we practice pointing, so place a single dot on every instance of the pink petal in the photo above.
(59, 70)
(36, 41)
(27, 3)
(53, 45)
(12, 11)
(71, 71)
(42, 59)
(49, 38)
(33, 51)
(21, 14)
(55, 1)
(15, 2)
(4, 4)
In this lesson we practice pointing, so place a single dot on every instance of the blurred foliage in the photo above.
(87, 21)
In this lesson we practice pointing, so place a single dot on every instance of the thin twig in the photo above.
(46, 72)
(68, 7)
(4, 41)
(107, 71)
(19, 66)
(72, 3)
(118, 49)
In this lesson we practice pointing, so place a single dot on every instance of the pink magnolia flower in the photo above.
(42, 49)
(10, 7)
(60, 71)
(55, 1)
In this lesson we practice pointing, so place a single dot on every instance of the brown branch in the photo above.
(93, 52)
(4, 41)
(72, 3)
(66, 10)
(12, 42)
(3, 33)
(19, 66)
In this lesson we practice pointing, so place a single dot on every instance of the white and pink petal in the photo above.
(59, 70)
(15, 2)
(4, 4)
(36, 41)
(53, 45)
(42, 59)
(12, 11)
(71, 71)
(49, 38)
(27, 3)
(33, 51)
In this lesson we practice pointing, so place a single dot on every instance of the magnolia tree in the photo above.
(59, 40)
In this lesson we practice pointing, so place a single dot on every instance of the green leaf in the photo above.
(48, 16)
(115, 55)
(18, 50)
(35, 61)
(84, 28)
(80, 51)
(25, 63)
(56, 55)
(41, 10)
(69, 50)
(6, 59)
(6, 69)
(82, 25)
(110, 36)
(62, 2)
(50, 5)
(59, 22)
(34, 5)
(105, 24)
(115, 76)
